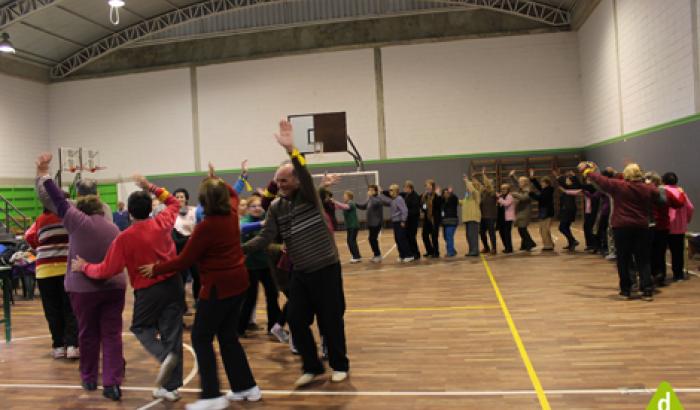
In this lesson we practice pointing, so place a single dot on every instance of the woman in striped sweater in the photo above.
(50, 239)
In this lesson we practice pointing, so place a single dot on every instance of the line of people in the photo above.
(664, 214)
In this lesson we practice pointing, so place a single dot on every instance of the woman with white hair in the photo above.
(634, 200)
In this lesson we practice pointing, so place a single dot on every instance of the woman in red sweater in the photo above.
(634, 200)
(215, 246)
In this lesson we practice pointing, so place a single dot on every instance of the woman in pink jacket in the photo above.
(506, 216)
(679, 220)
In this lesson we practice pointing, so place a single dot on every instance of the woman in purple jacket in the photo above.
(98, 304)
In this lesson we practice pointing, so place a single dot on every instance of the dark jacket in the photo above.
(544, 198)
(567, 203)
(450, 216)
(413, 204)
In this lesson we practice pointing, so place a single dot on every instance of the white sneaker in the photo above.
(407, 260)
(58, 352)
(72, 352)
(355, 260)
(376, 259)
(279, 332)
(252, 394)
(162, 393)
(166, 368)
(338, 376)
(217, 403)
(305, 379)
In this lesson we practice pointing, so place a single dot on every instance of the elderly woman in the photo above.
(471, 214)
(98, 304)
(630, 222)
(215, 245)
(523, 211)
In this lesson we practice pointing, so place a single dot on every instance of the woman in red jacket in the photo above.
(634, 200)
(215, 246)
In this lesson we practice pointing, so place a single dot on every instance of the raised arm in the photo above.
(340, 205)
(285, 138)
(165, 219)
(269, 232)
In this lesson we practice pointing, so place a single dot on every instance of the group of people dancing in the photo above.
(229, 254)
(631, 217)
(283, 237)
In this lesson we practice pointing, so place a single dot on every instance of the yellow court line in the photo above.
(518, 341)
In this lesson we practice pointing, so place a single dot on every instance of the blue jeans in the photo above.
(449, 234)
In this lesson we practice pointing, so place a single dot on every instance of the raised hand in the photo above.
(42, 163)
(244, 168)
(330, 179)
(212, 171)
(511, 173)
(532, 173)
(555, 172)
(140, 181)
(483, 170)
(285, 137)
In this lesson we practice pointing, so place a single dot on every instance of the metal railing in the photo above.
(20, 222)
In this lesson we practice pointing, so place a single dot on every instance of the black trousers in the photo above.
(157, 323)
(588, 222)
(659, 244)
(219, 317)
(429, 239)
(526, 241)
(352, 243)
(488, 225)
(565, 229)
(676, 243)
(633, 242)
(401, 240)
(374, 239)
(194, 272)
(58, 312)
(505, 231)
(251, 299)
(411, 233)
(602, 235)
(318, 293)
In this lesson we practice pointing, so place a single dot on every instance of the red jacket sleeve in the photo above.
(112, 265)
(234, 198)
(675, 201)
(31, 236)
(166, 219)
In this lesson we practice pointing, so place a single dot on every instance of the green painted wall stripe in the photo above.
(640, 133)
(497, 154)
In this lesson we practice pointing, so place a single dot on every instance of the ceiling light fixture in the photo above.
(114, 6)
(5, 45)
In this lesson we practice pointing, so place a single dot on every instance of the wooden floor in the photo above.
(434, 335)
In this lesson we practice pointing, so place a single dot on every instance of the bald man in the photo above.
(316, 285)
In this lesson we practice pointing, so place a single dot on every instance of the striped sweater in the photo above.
(50, 239)
(299, 221)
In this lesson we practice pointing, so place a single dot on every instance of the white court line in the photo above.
(390, 250)
(187, 379)
(464, 393)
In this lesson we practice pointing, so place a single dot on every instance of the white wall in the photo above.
(655, 63)
(486, 95)
(599, 75)
(241, 103)
(140, 123)
(24, 126)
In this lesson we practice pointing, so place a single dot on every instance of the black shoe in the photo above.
(112, 392)
(508, 251)
(626, 294)
(648, 295)
(89, 386)
(427, 255)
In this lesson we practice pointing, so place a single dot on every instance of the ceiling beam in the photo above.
(20, 9)
(528, 9)
(146, 28)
